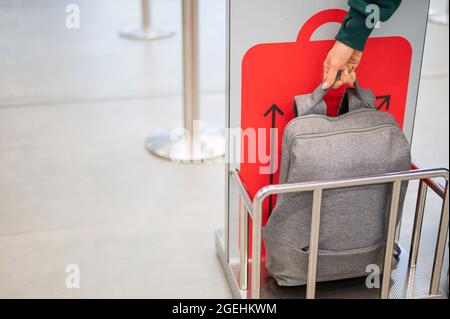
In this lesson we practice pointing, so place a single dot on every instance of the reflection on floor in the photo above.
(76, 184)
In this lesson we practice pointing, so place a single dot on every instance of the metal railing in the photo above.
(253, 209)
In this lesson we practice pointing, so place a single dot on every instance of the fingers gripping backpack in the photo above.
(361, 141)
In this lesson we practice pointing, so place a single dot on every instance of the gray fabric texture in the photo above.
(360, 143)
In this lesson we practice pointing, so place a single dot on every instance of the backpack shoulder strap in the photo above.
(356, 98)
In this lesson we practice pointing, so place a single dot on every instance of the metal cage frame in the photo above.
(252, 208)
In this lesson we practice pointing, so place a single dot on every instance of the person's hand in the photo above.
(341, 58)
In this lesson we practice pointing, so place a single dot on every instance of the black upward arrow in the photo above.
(386, 101)
(273, 110)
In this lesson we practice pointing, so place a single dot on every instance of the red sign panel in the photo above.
(272, 74)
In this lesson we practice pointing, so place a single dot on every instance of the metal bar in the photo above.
(440, 245)
(390, 240)
(353, 182)
(227, 219)
(190, 70)
(243, 191)
(243, 247)
(256, 246)
(438, 189)
(227, 136)
(314, 244)
(410, 284)
(418, 224)
(424, 175)
(399, 230)
(146, 19)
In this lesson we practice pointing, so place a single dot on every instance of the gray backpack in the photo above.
(361, 141)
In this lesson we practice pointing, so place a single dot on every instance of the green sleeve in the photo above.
(354, 31)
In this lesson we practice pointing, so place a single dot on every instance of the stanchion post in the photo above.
(146, 18)
(190, 71)
(145, 31)
(193, 146)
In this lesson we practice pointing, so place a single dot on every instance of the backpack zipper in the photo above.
(359, 130)
(314, 135)
(331, 119)
(324, 252)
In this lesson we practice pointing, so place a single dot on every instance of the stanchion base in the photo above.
(139, 33)
(176, 148)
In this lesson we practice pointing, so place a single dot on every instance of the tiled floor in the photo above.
(84, 191)
(76, 184)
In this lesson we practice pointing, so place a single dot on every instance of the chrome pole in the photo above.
(418, 224)
(146, 19)
(314, 244)
(191, 145)
(390, 240)
(242, 191)
(191, 68)
(145, 31)
(440, 245)
(257, 244)
(410, 283)
(243, 246)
